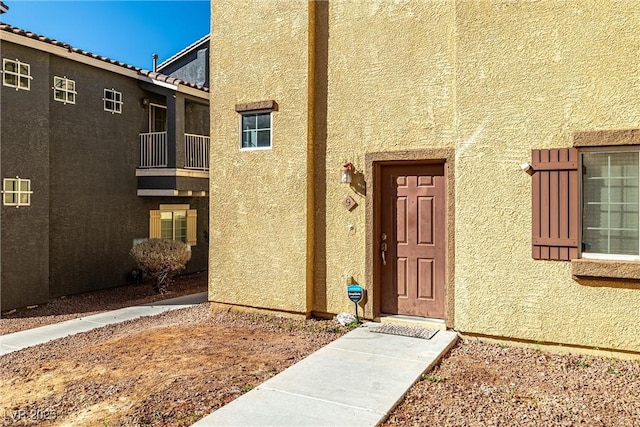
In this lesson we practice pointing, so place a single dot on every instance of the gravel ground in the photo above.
(177, 367)
(481, 384)
(74, 306)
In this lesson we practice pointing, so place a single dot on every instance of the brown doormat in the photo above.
(405, 331)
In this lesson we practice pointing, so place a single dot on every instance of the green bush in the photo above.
(161, 259)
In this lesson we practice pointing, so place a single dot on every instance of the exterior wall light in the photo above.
(346, 174)
(527, 168)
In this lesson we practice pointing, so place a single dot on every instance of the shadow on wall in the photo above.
(320, 85)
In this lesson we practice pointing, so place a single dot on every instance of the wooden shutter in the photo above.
(154, 225)
(192, 227)
(556, 210)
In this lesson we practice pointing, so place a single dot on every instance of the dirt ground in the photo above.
(166, 370)
(175, 368)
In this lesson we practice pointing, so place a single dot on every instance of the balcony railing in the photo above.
(196, 152)
(153, 150)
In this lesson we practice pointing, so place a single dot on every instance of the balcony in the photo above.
(182, 171)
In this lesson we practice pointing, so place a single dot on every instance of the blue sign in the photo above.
(355, 293)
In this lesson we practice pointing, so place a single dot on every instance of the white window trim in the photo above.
(18, 192)
(609, 257)
(117, 103)
(16, 73)
(65, 91)
(255, 112)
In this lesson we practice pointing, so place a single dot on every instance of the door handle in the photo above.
(383, 250)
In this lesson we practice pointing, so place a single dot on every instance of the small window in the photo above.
(16, 192)
(112, 101)
(64, 90)
(175, 222)
(256, 130)
(16, 74)
(173, 225)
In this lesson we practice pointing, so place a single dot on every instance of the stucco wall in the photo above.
(258, 228)
(388, 90)
(528, 75)
(490, 79)
(24, 145)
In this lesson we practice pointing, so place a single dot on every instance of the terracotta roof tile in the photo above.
(151, 74)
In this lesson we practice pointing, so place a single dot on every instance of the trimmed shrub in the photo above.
(161, 259)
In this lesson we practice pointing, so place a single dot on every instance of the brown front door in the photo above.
(412, 230)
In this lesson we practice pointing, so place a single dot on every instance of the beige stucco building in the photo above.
(437, 105)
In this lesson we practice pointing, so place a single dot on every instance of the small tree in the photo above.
(161, 259)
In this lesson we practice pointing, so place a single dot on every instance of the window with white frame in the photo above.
(16, 74)
(64, 90)
(255, 130)
(16, 192)
(112, 101)
(157, 118)
(611, 205)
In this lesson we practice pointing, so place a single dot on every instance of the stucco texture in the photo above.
(258, 198)
(387, 91)
(488, 80)
(528, 75)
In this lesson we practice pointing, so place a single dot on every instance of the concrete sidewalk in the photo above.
(30, 337)
(354, 381)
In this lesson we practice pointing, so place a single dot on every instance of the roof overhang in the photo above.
(68, 52)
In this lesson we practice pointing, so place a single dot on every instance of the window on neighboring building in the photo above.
(255, 130)
(112, 101)
(157, 118)
(64, 90)
(16, 74)
(610, 204)
(175, 222)
(16, 192)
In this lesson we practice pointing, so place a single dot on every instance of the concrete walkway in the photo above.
(30, 337)
(354, 381)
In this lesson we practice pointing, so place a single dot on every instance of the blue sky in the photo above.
(127, 30)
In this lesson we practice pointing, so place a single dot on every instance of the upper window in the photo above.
(64, 90)
(16, 74)
(610, 204)
(256, 130)
(16, 192)
(112, 101)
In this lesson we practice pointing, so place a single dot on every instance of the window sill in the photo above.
(596, 268)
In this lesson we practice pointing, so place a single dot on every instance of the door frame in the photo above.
(373, 165)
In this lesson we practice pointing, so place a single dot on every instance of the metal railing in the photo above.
(196, 152)
(153, 150)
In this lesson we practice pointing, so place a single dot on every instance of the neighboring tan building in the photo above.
(437, 105)
(96, 155)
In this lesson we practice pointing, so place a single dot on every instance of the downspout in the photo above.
(311, 72)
